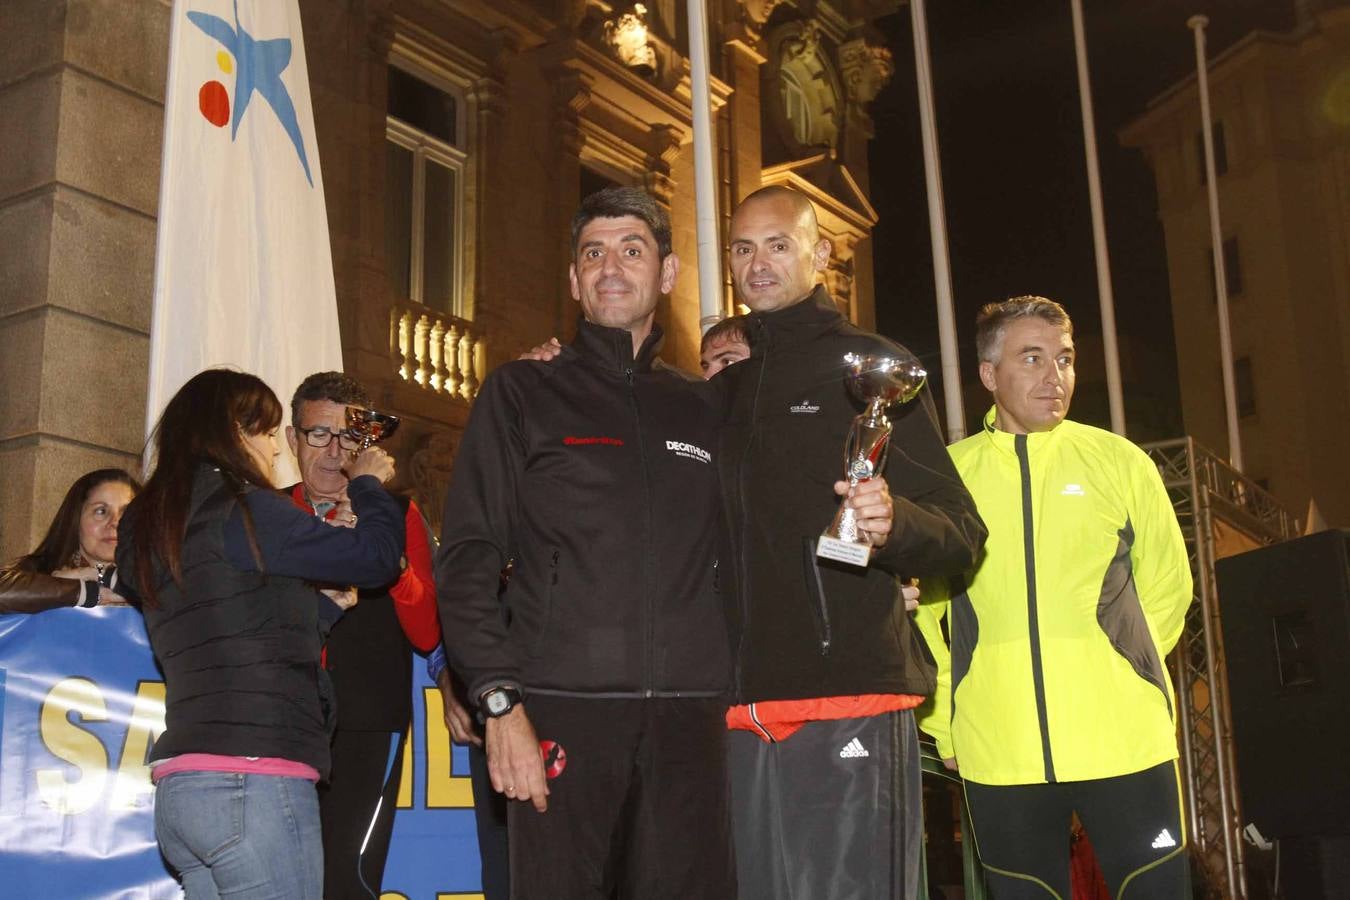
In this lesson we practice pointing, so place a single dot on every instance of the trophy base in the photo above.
(844, 551)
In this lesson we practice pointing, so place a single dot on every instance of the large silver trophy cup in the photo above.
(878, 381)
(369, 426)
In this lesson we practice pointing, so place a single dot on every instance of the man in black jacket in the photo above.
(823, 750)
(595, 474)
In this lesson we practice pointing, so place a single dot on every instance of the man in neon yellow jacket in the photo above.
(1055, 698)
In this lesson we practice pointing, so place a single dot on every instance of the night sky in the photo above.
(1018, 219)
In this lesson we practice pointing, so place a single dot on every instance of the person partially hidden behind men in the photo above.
(1055, 699)
(725, 343)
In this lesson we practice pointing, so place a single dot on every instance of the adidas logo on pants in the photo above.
(853, 750)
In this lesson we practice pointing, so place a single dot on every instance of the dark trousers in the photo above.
(489, 815)
(639, 811)
(358, 801)
(832, 813)
(1134, 822)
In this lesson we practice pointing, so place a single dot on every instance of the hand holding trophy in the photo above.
(878, 381)
(369, 427)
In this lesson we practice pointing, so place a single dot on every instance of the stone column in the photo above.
(492, 230)
(81, 129)
(571, 94)
(743, 56)
(349, 121)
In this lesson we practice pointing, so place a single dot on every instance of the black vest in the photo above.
(239, 650)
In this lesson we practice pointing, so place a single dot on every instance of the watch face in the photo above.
(497, 702)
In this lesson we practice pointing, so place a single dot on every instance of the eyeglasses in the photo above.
(321, 436)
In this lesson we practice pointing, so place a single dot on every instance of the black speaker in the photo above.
(1286, 633)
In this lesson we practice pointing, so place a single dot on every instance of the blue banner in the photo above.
(81, 703)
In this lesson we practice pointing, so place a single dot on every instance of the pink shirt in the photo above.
(245, 765)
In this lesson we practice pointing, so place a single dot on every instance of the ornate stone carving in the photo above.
(628, 39)
(665, 145)
(489, 93)
(810, 103)
(663, 150)
(803, 45)
(380, 33)
(429, 467)
(571, 94)
(866, 69)
(754, 14)
(839, 282)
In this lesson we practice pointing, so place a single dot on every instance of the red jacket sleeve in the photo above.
(415, 593)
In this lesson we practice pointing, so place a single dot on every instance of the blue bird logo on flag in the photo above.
(257, 66)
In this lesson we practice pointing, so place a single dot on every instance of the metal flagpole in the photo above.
(937, 227)
(1104, 294)
(1197, 25)
(705, 176)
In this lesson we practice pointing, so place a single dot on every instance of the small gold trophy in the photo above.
(369, 426)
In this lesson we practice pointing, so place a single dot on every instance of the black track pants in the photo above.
(1134, 821)
(489, 815)
(356, 809)
(639, 811)
(831, 813)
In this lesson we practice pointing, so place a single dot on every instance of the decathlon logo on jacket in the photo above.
(689, 451)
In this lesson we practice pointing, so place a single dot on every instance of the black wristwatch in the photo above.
(499, 701)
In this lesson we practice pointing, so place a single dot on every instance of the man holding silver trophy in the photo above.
(823, 751)
(824, 654)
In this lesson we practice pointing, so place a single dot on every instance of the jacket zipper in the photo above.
(813, 575)
(744, 552)
(1033, 621)
(552, 598)
(649, 648)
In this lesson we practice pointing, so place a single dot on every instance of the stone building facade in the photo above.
(1281, 108)
(456, 139)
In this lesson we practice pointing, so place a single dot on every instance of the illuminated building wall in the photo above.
(1281, 103)
(456, 139)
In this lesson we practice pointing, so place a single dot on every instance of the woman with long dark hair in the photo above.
(224, 566)
(73, 564)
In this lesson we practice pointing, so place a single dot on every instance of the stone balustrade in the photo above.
(441, 353)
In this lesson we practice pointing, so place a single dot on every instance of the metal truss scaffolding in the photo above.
(1210, 498)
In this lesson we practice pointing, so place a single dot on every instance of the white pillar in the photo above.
(705, 175)
(937, 227)
(1197, 25)
(1104, 293)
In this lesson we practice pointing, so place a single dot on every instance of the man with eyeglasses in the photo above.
(369, 651)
